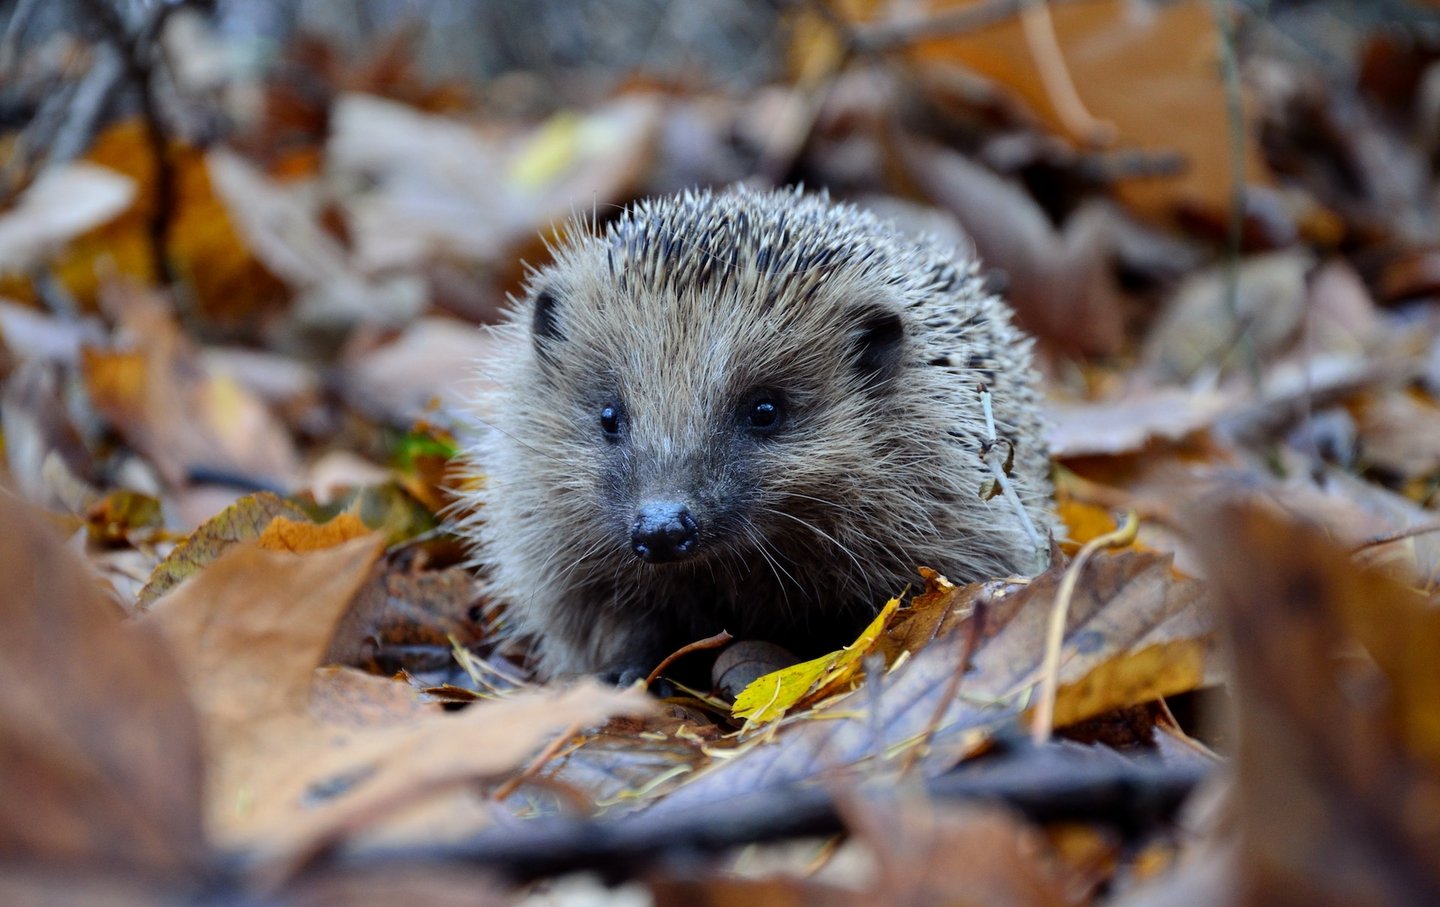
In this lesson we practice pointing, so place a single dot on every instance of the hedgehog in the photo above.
(751, 411)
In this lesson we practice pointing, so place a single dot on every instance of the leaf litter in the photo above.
(233, 374)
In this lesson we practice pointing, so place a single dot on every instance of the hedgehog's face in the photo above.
(708, 428)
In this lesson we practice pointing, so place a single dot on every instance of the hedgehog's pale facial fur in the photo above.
(797, 378)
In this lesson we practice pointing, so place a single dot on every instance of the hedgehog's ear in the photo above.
(879, 344)
(545, 323)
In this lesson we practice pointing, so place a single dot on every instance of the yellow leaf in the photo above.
(549, 154)
(772, 695)
(1167, 667)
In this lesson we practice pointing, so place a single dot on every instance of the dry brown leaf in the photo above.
(1338, 765)
(1059, 282)
(30, 334)
(934, 613)
(1200, 326)
(123, 518)
(1363, 516)
(317, 782)
(632, 760)
(338, 472)
(388, 508)
(100, 745)
(1340, 314)
(157, 392)
(225, 281)
(1126, 424)
(681, 890)
(1135, 633)
(253, 627)
(388, 886)
(241, 521)
(44, 450)
(433, 608)
(1127, 61)
(441, 188)
(285, 232)
(933, 853)
(434, 360)
(1400, 434)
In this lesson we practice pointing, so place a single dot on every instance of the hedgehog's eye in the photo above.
(763, 413)
(610, 419)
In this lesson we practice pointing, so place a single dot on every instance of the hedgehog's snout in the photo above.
(664, 531)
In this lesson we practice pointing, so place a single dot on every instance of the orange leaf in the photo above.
(285, 534)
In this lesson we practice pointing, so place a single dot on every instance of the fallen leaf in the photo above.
(101, 747)
(1202, 327)
(1127, 423)
(64, 202)
(30, 334)
(936, 853)
(387, 508)
(48, 460)
(1127, 61)
(1338, 764)
(287, 235)
(224, 281)
(1135, 633)
(1059, 281)
(253, 627)
(1400, 434)
(157, 393)
(434, 360)
(250, 628)
(771, 696)
(411, 613)
(122, 517)
(685, 890)
(286, 534)
(441, 188)
(242, 521)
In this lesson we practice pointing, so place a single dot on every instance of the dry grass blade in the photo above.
(1043, 721)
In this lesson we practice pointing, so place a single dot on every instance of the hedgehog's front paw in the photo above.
(625, 675)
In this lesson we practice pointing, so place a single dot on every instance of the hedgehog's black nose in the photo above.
(664, 531)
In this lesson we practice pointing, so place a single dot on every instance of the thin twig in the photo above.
(709, 642)
(1243, 343)
(1398, 536)
(14, 37)
(988, 453)
(541, 759)
(138, 55)
(974, 628)
(1039, 784)
(1042, 724)
(87, 106)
